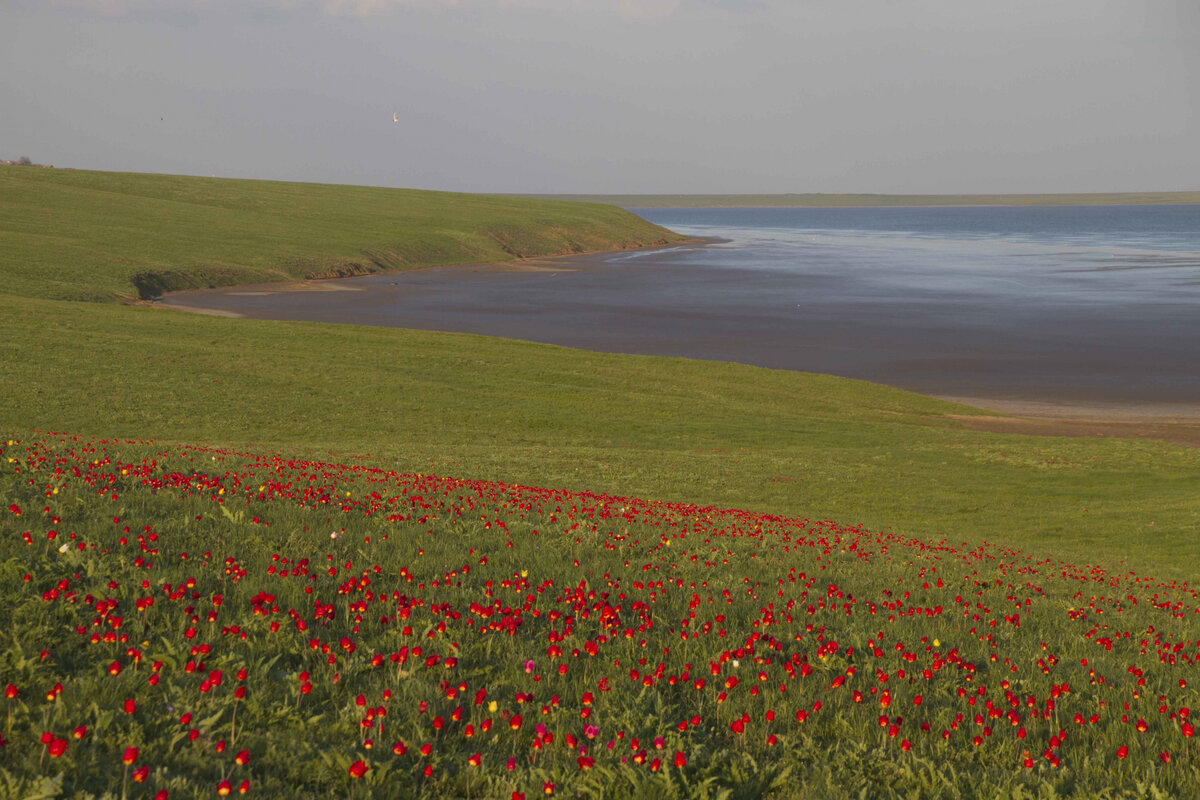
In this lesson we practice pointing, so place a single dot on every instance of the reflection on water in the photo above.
(1093, 304)
(1027, 255)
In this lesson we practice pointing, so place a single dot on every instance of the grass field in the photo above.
(824, 200)
(79, 235)
(673, 429)
(191, 621)
(114, 553)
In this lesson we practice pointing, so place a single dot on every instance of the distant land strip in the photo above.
(818, 200)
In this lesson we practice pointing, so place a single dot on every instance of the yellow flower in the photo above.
(492, 707)
(936, 643)
(524, 573)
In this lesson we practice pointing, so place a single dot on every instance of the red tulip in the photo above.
(358, 769)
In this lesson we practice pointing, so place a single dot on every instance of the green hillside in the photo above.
(670, 429)
(78, 235)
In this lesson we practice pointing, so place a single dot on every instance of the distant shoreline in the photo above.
(819, 200)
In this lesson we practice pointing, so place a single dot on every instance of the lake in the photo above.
(1073, 305)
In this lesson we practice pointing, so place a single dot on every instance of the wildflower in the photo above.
(358, 769)
(130, 756)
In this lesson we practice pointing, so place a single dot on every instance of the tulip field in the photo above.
(194, 622)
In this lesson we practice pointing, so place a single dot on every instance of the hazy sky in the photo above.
(614, 95)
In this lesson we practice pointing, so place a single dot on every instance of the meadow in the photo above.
(192, 621)
(321, 559)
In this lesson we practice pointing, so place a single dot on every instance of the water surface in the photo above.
(1076, 305)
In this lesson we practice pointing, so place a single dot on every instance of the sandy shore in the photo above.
(1178, 424)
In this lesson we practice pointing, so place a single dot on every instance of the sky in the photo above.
(614, 96)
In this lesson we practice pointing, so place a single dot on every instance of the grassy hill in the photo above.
(79, 235)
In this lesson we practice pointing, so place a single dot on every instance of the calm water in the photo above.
(1057, 304)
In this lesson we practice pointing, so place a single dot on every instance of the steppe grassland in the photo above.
(1064, 559)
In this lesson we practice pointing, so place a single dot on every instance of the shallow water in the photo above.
(1091, 305)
